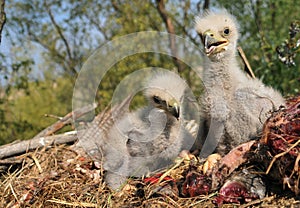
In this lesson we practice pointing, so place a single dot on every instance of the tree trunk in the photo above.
(2, 17)
(170, 28)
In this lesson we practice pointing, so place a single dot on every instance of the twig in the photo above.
(205, 198)
(37, 163)
(62, 36)
(245, 60)
(76, 204)
(280, 155)
(67, 119)
(10, 161)
(13, 192)
(53, 116)
(169, 170)
(257, 201)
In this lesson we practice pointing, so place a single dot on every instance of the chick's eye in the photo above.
(226, 31)
(156, 99)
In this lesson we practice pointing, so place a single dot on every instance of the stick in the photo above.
(245, 60)
(12, 149)
(280, 155)
(67, 119)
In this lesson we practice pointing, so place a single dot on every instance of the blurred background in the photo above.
(45, 43)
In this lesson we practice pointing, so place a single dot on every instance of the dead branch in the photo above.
(10, 161)
(21, 147)
(46, 138)
(67, 119)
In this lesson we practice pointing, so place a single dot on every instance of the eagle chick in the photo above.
(234, 106)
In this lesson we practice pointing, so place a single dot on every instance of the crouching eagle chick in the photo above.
(150, 138)
(234, 105)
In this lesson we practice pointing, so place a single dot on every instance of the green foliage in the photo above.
(264, 25)
(23, 115)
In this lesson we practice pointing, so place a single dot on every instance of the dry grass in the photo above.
(59, 177)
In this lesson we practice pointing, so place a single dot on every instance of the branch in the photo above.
(67, 119)
(245, 60)
(170, 28)
(46, 138)
(182, 28)
(115, 5)
(12, 149)
(186, 8)
(59, 31)
(2, 17)
(56, 54)
(97, 25)
(206, 5)
(36, 39)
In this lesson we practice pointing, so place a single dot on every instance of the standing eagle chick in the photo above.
(234, 105)
(150, 138)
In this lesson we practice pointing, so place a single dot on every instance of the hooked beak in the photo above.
(175, 111)
(170, 106)
(213, 43)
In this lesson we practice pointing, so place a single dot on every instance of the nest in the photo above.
(58, 176)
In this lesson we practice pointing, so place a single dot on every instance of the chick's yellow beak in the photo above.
(174, 108)
(213, 43)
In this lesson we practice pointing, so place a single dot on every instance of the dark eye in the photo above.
(226, 31)
(156, 99)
